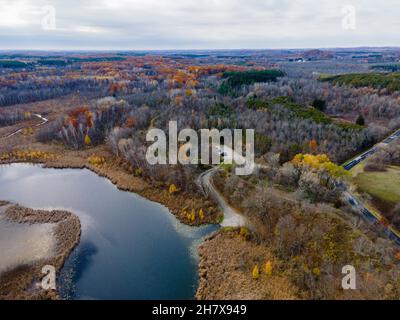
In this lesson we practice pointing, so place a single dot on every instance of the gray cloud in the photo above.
(195, 24)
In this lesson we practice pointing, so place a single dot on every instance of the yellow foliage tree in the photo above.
(27, 155)
(96, 160)
(201, 214)
(319, 161)
(268, 268)
(316, 271)
(255, 273)
(88, 141)
(173, 189)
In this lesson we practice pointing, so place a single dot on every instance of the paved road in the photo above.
(369, 215)
(351, 164)
(233, 218)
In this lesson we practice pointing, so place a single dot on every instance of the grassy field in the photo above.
(384, 187)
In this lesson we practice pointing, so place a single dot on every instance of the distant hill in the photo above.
(317, 54)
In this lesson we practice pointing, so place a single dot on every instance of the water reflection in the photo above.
(131, 248)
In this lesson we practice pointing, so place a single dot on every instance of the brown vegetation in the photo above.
(310, 242)
(20, 282)
(226, 262)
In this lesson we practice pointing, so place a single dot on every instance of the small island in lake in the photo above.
(30, 240)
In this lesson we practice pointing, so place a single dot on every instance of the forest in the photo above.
(287, 105)
(311, 111)
(390, 82)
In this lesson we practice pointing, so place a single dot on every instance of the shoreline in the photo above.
(179, 204)
(22, 281)
(125, 181)
(220, 241)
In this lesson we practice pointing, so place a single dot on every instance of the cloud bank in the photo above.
(197, 24)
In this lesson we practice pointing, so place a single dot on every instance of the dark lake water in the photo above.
(131, 248)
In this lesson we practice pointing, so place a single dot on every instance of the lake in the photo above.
(130, 248)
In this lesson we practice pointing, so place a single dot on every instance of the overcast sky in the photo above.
(197, 24)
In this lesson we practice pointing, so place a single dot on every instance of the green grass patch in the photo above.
(383, 187)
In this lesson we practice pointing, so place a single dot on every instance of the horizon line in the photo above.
(203, 49)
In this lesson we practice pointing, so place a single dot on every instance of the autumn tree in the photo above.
(313, 145)
(172, 189)
(88, 141)
(255, 273)
(268, 268)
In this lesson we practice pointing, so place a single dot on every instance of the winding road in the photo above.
(232, 218)
(44, 120)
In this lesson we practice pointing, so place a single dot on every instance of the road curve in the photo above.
(44, 120)
(231, 216)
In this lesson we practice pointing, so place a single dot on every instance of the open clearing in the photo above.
(384, 187)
